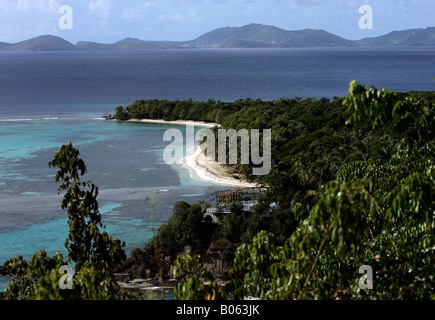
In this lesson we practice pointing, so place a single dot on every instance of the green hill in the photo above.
(257, 35)
(42, 43)
(248, 36)
(4, 45)
(128, 43)
(412, 37)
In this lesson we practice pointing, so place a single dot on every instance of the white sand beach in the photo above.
(178, 122)
(200, 166)
(205, 168)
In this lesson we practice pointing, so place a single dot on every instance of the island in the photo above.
(249, 36)
(350, 191)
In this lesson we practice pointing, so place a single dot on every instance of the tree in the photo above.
(234, 223)
(121, 114)
(86, 244)
(196, 229)
(197, 282)
(171, 233)
(378, 212)
(94, 253)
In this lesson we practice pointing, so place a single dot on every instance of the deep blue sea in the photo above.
(50, 98)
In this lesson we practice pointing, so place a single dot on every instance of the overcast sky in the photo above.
(112, 20)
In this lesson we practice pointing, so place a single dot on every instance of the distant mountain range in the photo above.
(249, 36)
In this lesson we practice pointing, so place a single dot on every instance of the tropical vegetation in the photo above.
(352, 184)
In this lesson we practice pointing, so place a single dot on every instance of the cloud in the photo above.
(101, 9)
(105, 20)
(170, 16)
(22, 19)
(137, 12)
(194, 17)
(248, 10)
(36, 6)
(133, 14)
(181, 17)
(310, 2)
(149, 5)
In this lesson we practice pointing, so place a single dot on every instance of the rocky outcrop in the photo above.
(212, 259)
(131, 268)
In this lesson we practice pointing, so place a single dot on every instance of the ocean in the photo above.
(50, 98)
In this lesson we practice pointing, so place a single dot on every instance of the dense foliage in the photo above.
(310, 138)
(352, 184)
(377, 212)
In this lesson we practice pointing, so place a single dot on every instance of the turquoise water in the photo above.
(50, 98)
(125, 160)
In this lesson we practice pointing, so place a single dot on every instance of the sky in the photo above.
(108, 21)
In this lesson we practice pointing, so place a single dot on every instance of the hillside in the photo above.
(412, 37)
(41, 43)
(343, 185)
(4, 45)
(257, 35)
(128, 43)
(248, 36)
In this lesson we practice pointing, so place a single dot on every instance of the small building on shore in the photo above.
(224, 198)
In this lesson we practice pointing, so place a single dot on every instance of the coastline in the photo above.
(204, 168)
(201, 167)
(177, 122)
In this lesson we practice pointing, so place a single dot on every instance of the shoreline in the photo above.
(204, 168)
(201, 167)
(176, 122)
